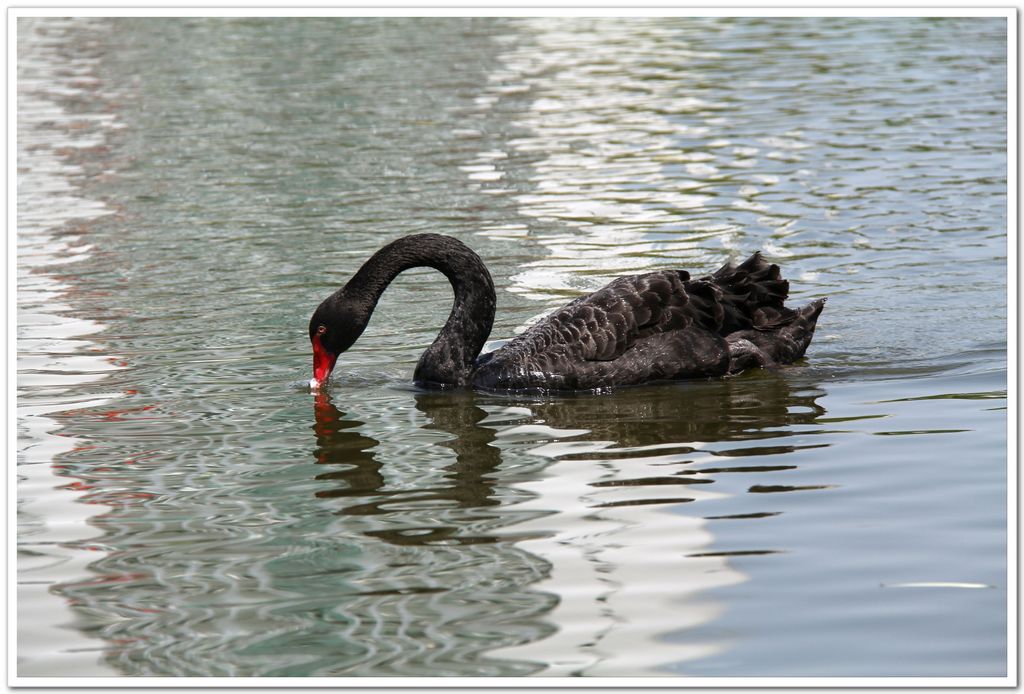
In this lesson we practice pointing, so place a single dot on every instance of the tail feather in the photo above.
(752, 293)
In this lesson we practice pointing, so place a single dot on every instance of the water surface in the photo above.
(189, 190)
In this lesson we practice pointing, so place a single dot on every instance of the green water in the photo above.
(189, 190)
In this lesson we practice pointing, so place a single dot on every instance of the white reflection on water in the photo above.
(53, 352)
(606, 141)
(622, 563)
(627, 173)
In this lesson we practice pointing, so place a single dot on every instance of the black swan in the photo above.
(651, 327)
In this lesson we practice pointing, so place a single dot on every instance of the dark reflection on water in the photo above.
(466, 487)
(732, 409)
(632, 423)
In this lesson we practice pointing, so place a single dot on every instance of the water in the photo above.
(189, 190)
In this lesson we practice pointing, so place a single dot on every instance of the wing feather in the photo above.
(643, 327)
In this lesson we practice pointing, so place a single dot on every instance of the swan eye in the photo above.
(321, 330)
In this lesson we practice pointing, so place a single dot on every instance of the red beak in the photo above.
(323, 361)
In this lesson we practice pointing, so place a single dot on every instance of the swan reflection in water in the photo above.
(598, 488)
(363, 484)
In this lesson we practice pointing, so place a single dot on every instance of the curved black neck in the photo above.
(449, 360)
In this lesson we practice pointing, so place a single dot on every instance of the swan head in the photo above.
(333, 328)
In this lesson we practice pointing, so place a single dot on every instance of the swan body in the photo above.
(637, 329)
